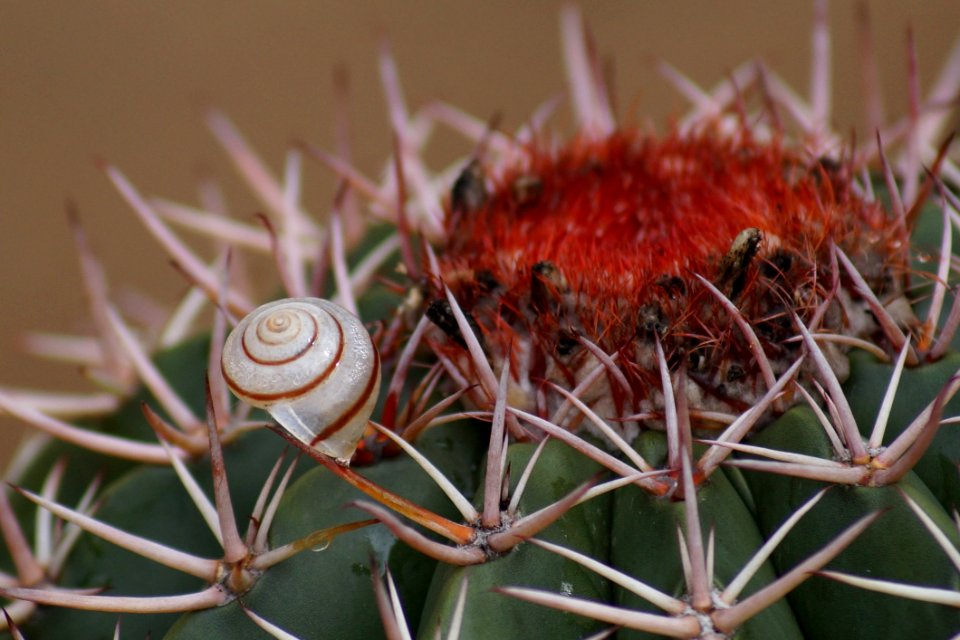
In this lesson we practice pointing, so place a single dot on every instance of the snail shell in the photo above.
(312, 366)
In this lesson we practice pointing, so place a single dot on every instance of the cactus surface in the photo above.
(694, 384)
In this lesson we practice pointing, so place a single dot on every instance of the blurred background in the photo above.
(126, 81)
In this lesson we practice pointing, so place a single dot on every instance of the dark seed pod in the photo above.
(733, 267)
(777, 266)
(567, 341)
(651, 321)
(547, 285)
(673, 286)
(469, 191)
(526, 190)
(487, 282)
(735, 372)
(440, 313)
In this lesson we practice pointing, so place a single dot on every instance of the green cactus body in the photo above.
(578, 434)
(315, 502)
(826, 608)
(586, 529)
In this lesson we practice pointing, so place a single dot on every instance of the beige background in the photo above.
(124, 80)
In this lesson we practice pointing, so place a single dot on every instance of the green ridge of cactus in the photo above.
(767, 448)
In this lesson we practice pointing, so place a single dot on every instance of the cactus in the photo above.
(695, 384)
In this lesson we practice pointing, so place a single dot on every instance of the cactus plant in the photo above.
(694, 384)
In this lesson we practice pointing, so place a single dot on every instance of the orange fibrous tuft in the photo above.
(602, 240)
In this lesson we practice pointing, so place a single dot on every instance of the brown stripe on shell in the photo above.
(355, 408)
(291, 393)
(313, 340)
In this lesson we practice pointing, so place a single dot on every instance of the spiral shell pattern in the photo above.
(310, 364)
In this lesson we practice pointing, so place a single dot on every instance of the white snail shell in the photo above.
(312, 366)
